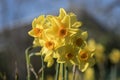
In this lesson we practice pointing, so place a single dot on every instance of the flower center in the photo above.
(49, 45)
(37, 32)
(69, 56)
(83, 55)
(79, 42)
(62, 32)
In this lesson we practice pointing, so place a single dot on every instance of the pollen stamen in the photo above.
(62, 32)
(49, 45)
(69, 56)
(37, 32)
(83, 56)
(79, 42)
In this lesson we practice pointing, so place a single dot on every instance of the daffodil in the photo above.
(63, 27)
(99, 50)
(60, 29)
(79, 39)
(37, 27)
(48, 53)
(49, 59)
(115, 56)
(85, 58)
(48, 47)
(73, 19)
(67, 54)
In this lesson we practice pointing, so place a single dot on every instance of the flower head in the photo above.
(79, 39)
(61, 38)
(37, 27)
(85, 58)
(115, 56)
(99, 50)
(67, 54)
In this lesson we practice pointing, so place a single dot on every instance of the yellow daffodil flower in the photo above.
(73, 19)
(115, 56)
(85, 58)
(99, 50)
(37, 27)
(63, 27)
(49, 59)
(79, 39)
(66, 54)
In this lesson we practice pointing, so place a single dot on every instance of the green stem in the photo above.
(66, 73)
(42, 67)
(28, 62)
(74, 71)
(113, 74)
(16, 71)
(62, 71)
(57, 71)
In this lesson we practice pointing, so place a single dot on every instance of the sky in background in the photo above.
(22, 11)
(106, 12)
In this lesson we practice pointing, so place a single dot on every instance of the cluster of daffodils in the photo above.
(62, 40)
